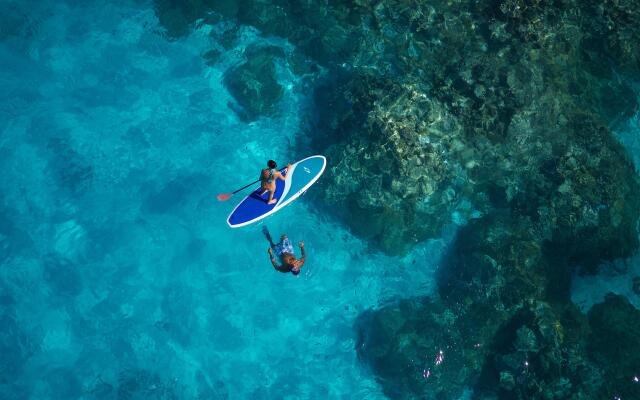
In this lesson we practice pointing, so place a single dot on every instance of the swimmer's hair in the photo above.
(271, 164)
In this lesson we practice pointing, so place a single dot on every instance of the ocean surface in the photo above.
(119, 271)
(119, 277)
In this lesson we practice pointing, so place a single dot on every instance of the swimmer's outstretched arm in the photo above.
(304, 256)
(273, 259)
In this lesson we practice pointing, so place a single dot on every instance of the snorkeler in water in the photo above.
(284, 251)
(268, 178)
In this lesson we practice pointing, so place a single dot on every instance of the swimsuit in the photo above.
(270, 178)
(284, 246)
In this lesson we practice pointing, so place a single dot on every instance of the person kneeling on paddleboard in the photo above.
(284, 251)
(268, 178)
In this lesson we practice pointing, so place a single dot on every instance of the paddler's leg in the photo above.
(272, 190)
(264, 189)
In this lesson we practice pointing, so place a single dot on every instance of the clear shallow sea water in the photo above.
(119, 275)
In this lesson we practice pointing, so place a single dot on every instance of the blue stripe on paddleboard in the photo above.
(255, 205)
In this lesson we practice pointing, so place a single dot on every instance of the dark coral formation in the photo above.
(539, 354)
(614, 32)
(414, 347)
(395, 145)
(614, 344)
(501, 109)
(503, 323)
(254, 84)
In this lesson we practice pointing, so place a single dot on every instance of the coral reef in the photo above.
(496, 269)
(396, 145)
(565, 171)
(539, 354)
(414, 346)
(499, 320)
(614, 344)
(178, 17)
(613, 31)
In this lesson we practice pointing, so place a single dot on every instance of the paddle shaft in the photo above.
(252, 183)
(244, 187)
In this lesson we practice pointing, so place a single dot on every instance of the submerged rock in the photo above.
(635, 285)
(614, 31)
(542, 348)
(614, 344)
(417, 349)
(499, 285)
(393, 156)
(254, 84)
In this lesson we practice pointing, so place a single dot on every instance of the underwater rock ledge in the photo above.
(499, 325)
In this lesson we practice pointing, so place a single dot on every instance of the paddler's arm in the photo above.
(279, 174)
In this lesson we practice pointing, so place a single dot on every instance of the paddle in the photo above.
(227, 196)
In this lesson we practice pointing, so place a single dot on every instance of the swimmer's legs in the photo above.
(271, 199)
(265, 232)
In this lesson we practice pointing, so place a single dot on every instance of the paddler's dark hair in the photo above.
(271, 164)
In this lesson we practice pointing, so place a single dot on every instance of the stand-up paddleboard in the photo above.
(298, 179)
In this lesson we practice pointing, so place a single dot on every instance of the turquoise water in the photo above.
(120, 277)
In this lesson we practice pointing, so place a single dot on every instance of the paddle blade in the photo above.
(224, 197)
